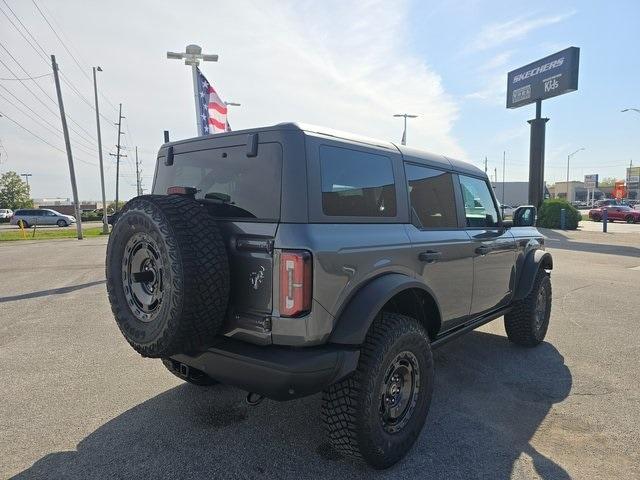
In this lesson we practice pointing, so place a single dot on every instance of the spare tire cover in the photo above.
(167, 275)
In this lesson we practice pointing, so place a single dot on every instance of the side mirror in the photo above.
(524, 216)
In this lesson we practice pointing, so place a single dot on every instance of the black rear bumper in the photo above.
(280, 373)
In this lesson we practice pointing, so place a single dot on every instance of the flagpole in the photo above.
(192, 56)
(194, 70)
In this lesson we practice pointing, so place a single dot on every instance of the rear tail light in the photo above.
(295, 282)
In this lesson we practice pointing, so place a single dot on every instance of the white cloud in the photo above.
(346, 65)
(496, 34)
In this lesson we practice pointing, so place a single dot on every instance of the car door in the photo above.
(615, 213)
(494, 246)
(440, 245)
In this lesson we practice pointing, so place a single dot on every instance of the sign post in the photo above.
(545, 78)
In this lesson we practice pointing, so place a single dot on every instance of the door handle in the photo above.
(483, 250)
(430, 256)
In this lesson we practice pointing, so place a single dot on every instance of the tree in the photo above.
(14, 193)
(607, 182)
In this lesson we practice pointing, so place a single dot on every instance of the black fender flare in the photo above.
(353, 323)
(530, 267)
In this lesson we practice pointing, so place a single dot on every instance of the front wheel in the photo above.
(527, 322)
(61, 223)
(377, 413)
(630, 219)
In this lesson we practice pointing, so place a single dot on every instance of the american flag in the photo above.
(213, 111)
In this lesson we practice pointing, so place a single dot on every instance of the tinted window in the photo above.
(431, 197)
(235, 185)
(356, 184)
(478, 203)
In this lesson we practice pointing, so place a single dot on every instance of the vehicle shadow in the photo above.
(52, 291)
(490, 398)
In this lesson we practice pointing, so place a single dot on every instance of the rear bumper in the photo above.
(280, 373)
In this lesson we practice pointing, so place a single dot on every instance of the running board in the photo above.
(467, 327)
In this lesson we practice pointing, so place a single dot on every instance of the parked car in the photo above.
(6, 213)
(621, 213)
(41, 216)
(293, 260)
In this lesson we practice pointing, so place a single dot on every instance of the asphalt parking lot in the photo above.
(78, 402)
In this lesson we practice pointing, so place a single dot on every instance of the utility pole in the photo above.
(485, 165)
(105, 224)
(118, 155)
(404, 132)
(26, 177)
(568, 159)
(67, 144)
(504, 165)
(495, 174)
(138, 189)
(192, 56)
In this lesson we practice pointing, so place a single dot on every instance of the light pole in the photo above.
(230, 104)
(404, 132)
(105, 224)
(637, 110)
(26, 177)
(569, 158)
(192, 56)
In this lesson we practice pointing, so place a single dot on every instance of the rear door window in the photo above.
(356, 183)
(234, 185)
(431, 197)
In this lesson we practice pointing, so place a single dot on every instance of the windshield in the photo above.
(231, 183)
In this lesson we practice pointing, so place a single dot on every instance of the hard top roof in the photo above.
(410, 154)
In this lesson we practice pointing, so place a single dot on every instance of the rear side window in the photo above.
(431, 196)
(479, 208)
(356, 184)
(233, 184)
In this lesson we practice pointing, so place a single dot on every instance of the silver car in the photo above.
(41, 216)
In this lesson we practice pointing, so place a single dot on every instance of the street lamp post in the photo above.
(105, 224)
(26, 177)
(192, 56)
(404, 132)
(637, 110)
(568, 159)
(230, 104)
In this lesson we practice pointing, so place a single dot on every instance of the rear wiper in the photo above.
(223, 197)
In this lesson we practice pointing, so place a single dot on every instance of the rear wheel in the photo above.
(527, 322)
(188, 374)
(378, 412)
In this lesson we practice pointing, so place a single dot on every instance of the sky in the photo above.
(345, 65)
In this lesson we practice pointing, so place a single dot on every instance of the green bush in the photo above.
(549, 214)
(89, 216)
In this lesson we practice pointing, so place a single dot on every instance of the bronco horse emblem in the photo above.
(256, 278)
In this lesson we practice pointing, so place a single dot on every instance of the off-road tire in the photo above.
(193, 285)
(194, 377)
(351, 408)
(521, 322)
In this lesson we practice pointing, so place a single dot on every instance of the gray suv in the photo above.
(291, 260)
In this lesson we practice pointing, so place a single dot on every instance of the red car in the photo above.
(615, 212)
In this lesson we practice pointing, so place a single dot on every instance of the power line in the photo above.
(26, 78)
(41, 89)
(40, 138)
(43, 55)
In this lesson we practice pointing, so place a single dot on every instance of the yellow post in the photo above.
(21, 225)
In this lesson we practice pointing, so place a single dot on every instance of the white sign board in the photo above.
(591, 181)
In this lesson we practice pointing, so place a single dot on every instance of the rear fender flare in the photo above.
(353, 323)
(533, 262)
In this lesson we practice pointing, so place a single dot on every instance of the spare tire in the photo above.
(167, 275)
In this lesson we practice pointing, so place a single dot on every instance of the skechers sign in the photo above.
(546, 78)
